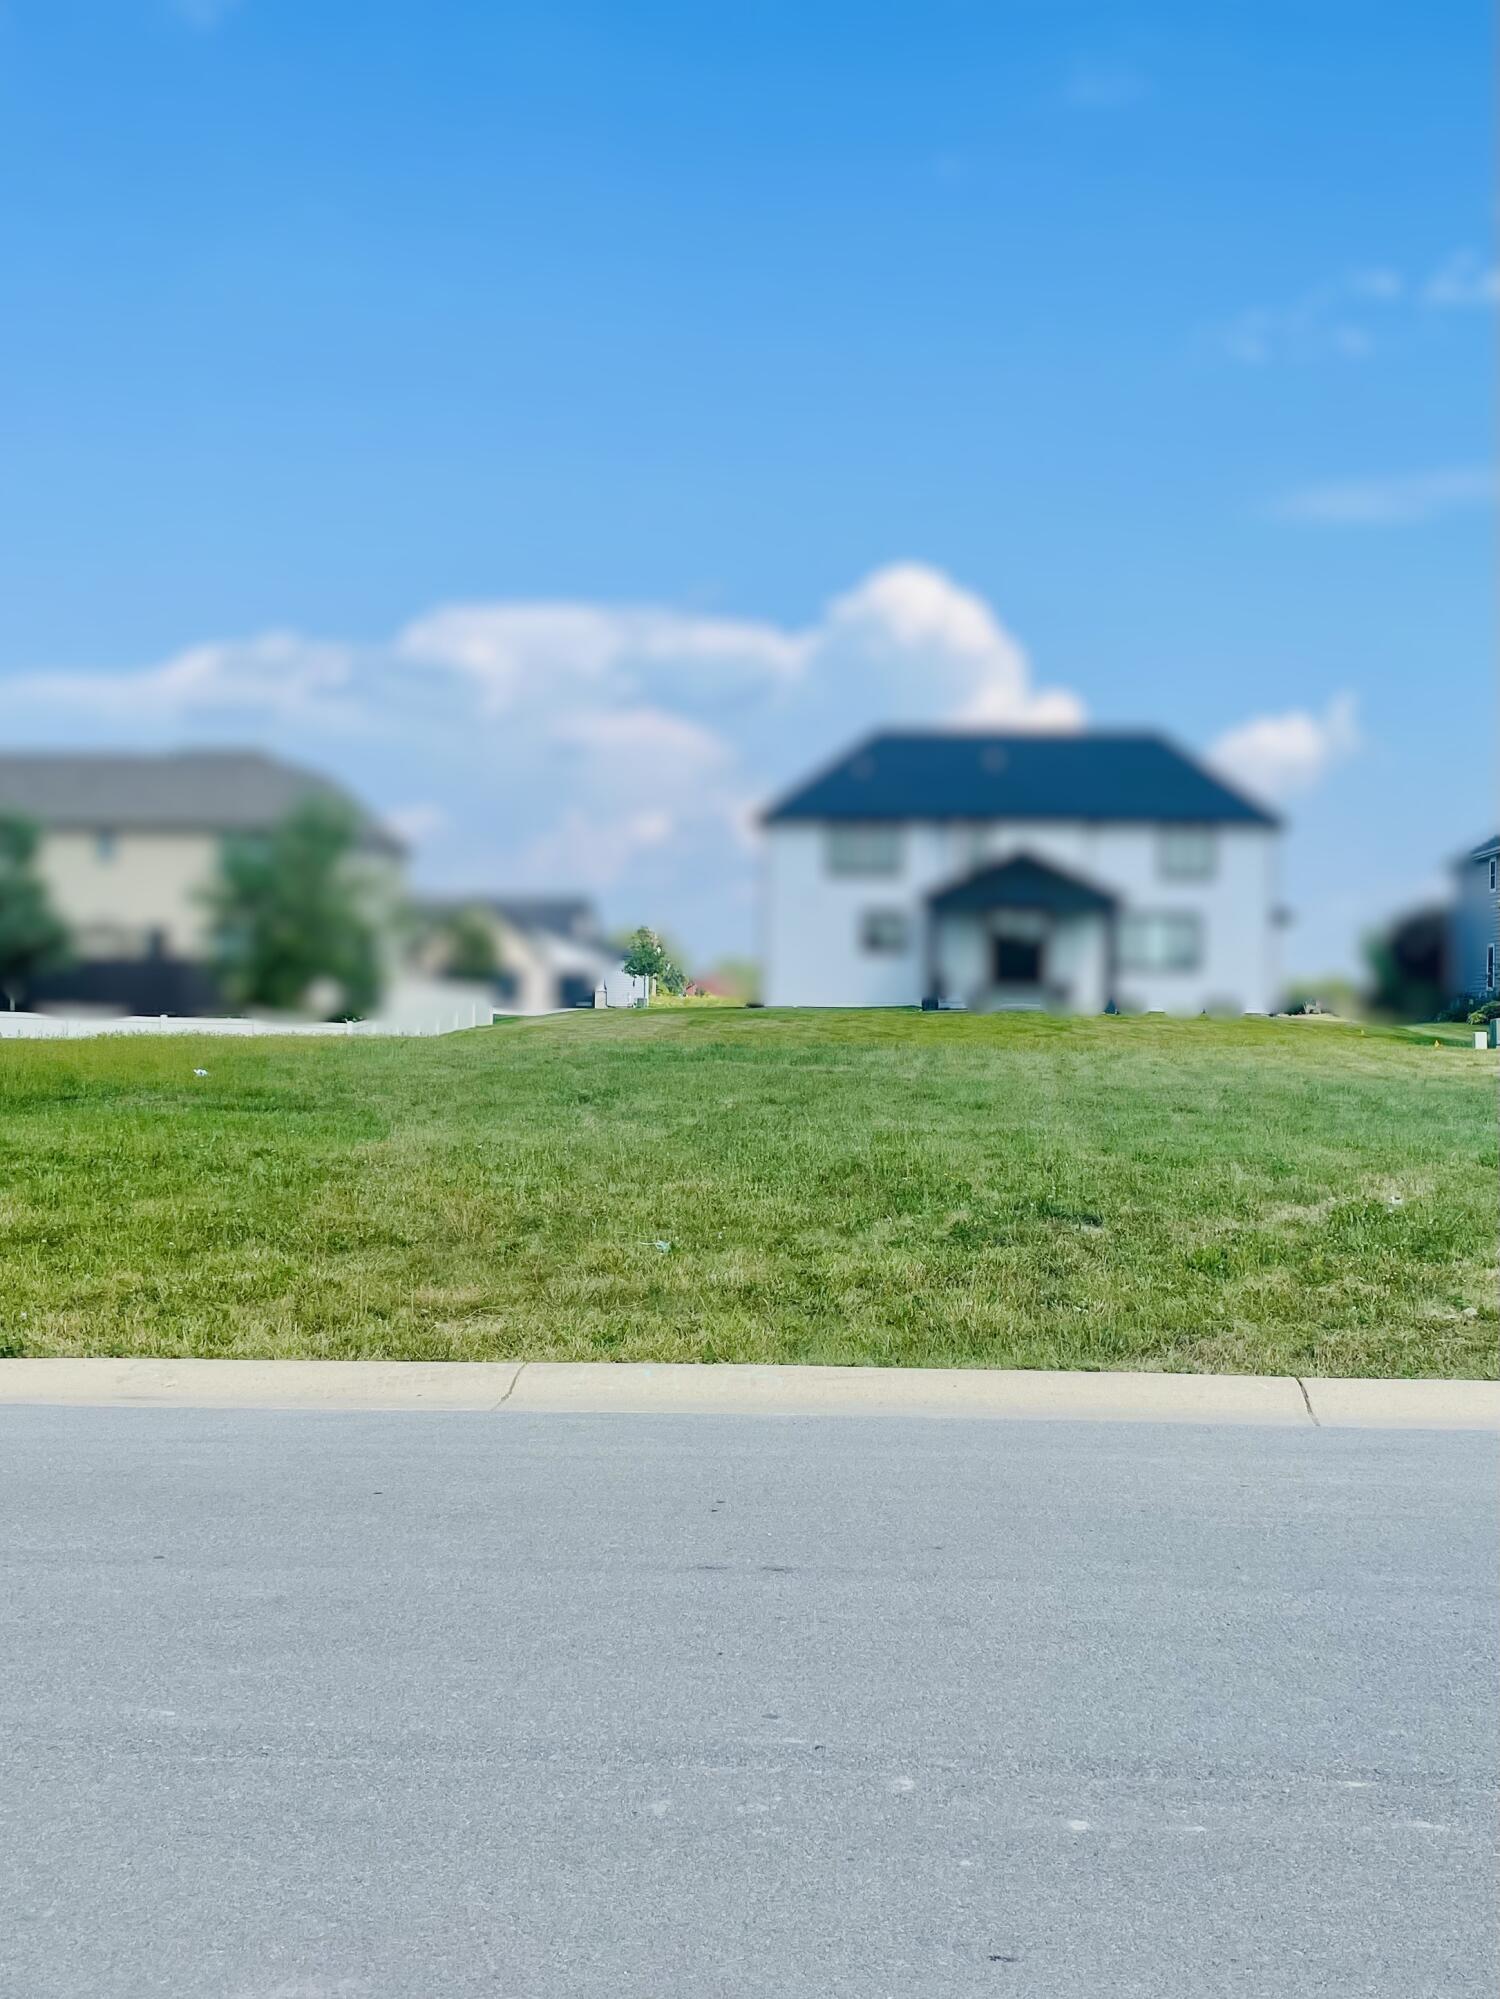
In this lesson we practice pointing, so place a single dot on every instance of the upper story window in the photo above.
(1187, 853)
(104, 844)
(870, 849)
(1168, 941)
(1494, 865)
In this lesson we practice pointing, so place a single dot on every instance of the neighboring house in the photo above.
(550, 949)
(1476, 921)
(129, 845)
(1070, 872)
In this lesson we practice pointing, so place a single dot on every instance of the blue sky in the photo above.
(567, 423)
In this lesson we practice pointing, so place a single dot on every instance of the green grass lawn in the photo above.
(709, 1184)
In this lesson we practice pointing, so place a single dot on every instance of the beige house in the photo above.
(129, 844)
(549, 948)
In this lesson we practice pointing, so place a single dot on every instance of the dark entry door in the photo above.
(1017, 961)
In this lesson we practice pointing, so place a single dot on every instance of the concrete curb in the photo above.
(602, 1387)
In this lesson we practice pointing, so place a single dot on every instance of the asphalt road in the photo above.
(545, 1707)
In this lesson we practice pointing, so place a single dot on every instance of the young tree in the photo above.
(288, 915)
(32, 936)
(646, 958)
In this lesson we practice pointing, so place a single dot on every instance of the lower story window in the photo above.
(1489, 969)
(885, 930)
(1165, 941)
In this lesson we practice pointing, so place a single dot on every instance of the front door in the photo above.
(1016, 961)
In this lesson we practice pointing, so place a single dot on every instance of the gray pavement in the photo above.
(316, 1706)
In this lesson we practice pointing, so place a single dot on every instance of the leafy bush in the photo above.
(1483, 1015)
(1459, 1007)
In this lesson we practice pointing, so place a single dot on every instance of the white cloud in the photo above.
(1333, 318)
(1279, 756)
(1349, 315)
(909, 604)
(520, 654)
(281, 675)
(909, 628)
(1463, 279)
(567, 744)
(1391, 501)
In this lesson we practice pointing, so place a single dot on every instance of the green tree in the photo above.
(32, 936)
(288, 914)
(646, 958)
(1410, 977)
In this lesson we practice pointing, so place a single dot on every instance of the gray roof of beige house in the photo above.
(557, 915)
(176, 791)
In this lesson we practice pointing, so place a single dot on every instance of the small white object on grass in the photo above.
(663, 1246)
(200, 1072)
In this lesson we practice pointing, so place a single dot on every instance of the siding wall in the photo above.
(1476, 926)
(811, 920)
(149, 882)
(150, 886)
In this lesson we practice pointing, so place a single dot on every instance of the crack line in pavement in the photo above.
(1311, 1412)
(510, 1391)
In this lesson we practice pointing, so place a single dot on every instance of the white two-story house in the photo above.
(1072, 872)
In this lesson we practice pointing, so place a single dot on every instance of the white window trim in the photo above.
(899, 917)
(1165, 867)
(842, 869)
(1149, 965)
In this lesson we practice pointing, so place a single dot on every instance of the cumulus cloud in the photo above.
(575, 744)
(519, 654)
(281, 675)
(623, 750)
(1391, 501)
(1281, 756)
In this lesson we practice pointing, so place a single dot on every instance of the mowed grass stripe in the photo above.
(832, 1187)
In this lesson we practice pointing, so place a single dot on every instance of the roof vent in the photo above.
(992, 757)
(863, 767)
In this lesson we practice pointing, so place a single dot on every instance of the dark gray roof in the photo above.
(214, 791)
(1022, 882)
(1485, 848)
(563, 915)
(558, 915)
(947, 774)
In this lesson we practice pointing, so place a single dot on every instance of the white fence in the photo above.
(65, 1027)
